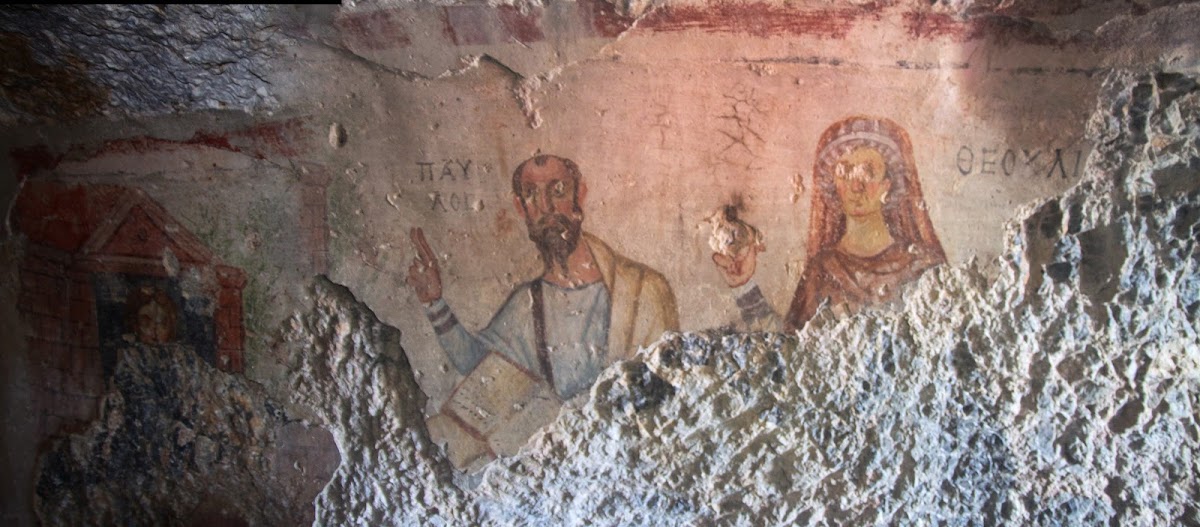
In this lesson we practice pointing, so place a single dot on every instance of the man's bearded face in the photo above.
(550, 200)
(556, 235)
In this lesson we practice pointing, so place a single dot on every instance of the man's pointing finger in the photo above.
(424, 252)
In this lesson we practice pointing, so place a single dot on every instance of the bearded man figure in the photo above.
(589, 308)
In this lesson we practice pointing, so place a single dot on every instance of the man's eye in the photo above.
(559, 189)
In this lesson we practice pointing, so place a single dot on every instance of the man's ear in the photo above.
(580, 192)
(520, 206)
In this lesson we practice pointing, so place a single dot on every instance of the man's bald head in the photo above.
(548, 193)
(546, 161)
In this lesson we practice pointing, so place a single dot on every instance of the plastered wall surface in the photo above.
(309, 141)
(656, 117)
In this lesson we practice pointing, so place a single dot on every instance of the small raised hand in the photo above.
(423, 275)
(738, 268)
(735, 245)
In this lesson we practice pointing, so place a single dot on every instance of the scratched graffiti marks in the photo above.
(661, 120)
(739, 129)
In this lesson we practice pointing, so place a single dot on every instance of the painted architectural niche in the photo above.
(870, 235)
(107, 267)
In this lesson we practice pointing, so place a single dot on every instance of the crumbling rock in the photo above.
(349, 368)
(181, 443)
(146, 58)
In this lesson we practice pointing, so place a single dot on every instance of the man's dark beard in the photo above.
(556, 237)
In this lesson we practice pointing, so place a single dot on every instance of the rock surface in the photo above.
(349, 368)
(181, 443)
(73, 60)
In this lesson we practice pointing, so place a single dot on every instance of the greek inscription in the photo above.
(1018, 162)
(1057, 164)
(966, 160)
(451, 201)
(450, 170)
(426, 171)
(1029, 159)
(988, 164)
(449, 176)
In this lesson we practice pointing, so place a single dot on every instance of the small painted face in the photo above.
(546, 189)
(860, 178)
(549, 199)
(154, 325)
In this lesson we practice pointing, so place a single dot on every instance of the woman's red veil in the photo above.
(904, 209)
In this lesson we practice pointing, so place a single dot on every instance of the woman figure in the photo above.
(869, 231)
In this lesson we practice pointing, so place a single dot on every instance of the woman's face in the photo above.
(860, 178)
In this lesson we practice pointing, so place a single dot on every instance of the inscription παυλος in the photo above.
(448, 169)
(446, 172)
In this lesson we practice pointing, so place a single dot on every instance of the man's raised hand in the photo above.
(423, 275)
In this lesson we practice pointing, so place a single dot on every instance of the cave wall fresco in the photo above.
(1056, 389)
(673, 114)
(654, 113)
